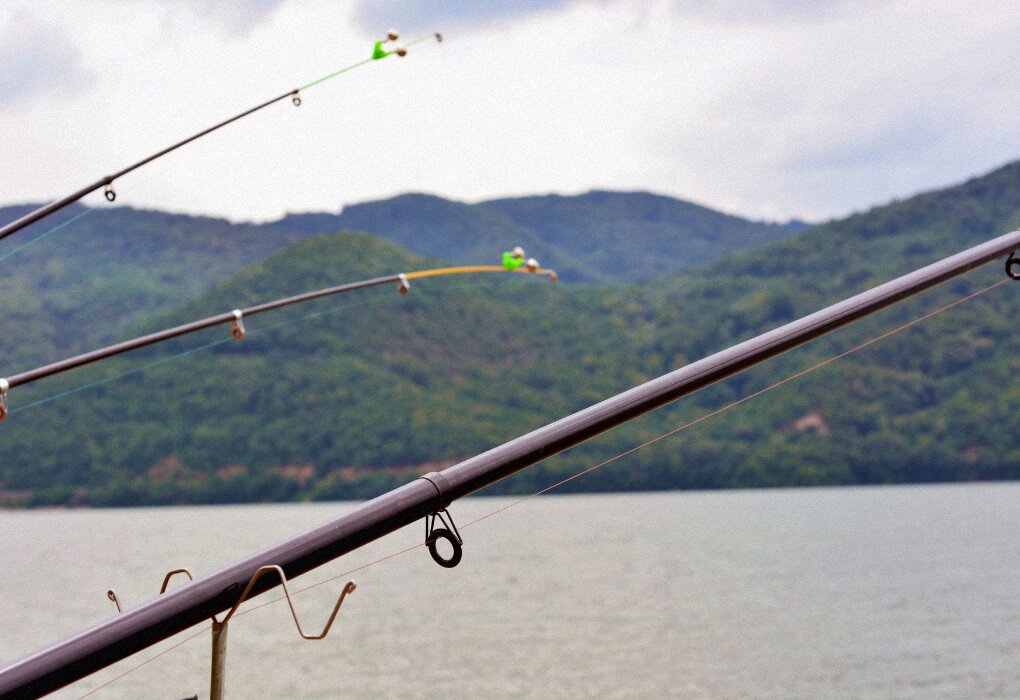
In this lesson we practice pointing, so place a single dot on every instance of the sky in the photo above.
(809, 109)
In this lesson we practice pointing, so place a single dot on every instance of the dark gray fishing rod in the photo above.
(107, 181)
(196, 602)
(236, 319)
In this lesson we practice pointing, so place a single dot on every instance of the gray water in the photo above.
(853, 592)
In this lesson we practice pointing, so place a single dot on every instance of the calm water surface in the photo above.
(862, 592)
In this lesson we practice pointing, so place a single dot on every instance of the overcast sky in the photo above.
(772, 110)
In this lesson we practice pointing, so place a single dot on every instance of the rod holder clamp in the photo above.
(442, 486)
(237, 325)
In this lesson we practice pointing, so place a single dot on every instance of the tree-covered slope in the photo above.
(348, 396)
(598, 237)
(108, 268)
(367, 380)
(638, 236)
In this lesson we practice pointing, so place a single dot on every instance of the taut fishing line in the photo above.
(52, 230)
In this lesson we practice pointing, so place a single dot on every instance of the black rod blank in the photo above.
(195, 602)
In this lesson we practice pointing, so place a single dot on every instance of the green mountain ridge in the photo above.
(599, 237)
(346, 397)
(94, 280)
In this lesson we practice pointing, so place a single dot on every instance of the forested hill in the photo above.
(109, 268)
(348, 396)
(598, 237)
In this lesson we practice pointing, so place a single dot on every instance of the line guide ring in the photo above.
(237, 325)
(1011, 262)
(448, 533)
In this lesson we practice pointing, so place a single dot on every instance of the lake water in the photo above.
(802, 593)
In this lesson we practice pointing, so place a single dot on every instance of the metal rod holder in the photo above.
(162, 589)
(219, 628)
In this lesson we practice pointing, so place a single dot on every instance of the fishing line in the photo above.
(147, 661)
(115, 377)
(106, 182)
(743, 400)
(590, 469)
(52, 230)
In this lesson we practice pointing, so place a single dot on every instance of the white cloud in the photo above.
(772, 109)
(38, 62)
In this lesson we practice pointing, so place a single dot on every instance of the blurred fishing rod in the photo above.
(107, 181)
(513, 263)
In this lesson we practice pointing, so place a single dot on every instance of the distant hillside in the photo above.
(637, 236)
(86, 284)
(349, 396)
(599, 237)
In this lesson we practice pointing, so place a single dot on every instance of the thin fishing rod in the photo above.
(107, 181)
(236, 320)
(425, 497)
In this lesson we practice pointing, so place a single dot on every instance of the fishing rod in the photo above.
(107, 181)
(514, 263)
(429, 496)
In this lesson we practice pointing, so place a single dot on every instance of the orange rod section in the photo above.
(462, 270)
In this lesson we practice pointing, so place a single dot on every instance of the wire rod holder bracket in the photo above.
(219, 629)
(1011, 262)
(348, 588)
(237, 325)
(4, 388)
(162, 589)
